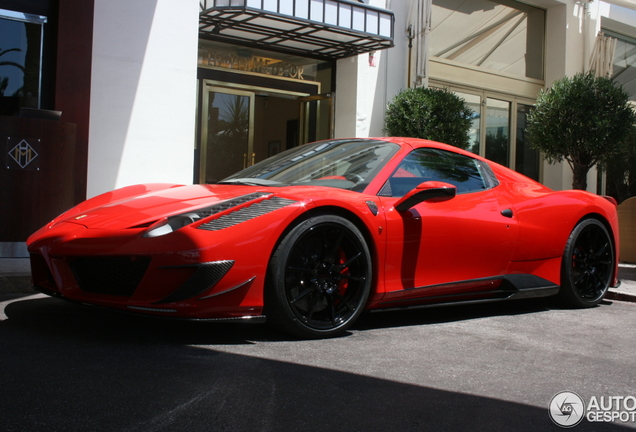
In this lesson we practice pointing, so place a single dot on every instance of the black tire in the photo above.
(588, 265)
(319, 278)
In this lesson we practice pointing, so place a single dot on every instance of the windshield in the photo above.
(344, 164)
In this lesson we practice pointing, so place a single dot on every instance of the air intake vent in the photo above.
(116, 275)
(246, 213)
(206, 276)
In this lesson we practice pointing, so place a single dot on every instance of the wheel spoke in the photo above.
(331, 254)
(332, 309)
(580, 279)
(352, 259)
(301, 295)
(344, 301)
(307, 255)
(349, 277)
(299, 269)
(313, 304)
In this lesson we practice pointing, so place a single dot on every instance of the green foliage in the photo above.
(620, 169)
(582, 120)
(429, 113)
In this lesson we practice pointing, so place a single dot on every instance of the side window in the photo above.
(421, 165)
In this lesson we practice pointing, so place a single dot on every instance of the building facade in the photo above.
(176, 91)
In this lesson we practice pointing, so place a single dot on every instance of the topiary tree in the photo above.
(429, 113)
(582, 120)
(620, 170)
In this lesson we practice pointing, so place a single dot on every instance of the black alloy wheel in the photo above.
(588, 265)
(319, 278)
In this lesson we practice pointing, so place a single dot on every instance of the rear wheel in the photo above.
(319, 278)
(588, 265)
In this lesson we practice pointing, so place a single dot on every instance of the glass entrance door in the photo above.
(241, 125)
(315, 115)
(227, 133)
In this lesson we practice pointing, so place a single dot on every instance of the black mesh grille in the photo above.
(109, 275)
(206, 276)
(246, 213)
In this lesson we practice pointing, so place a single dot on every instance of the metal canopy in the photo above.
(323, 29)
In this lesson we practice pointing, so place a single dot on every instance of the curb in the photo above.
(620, 296)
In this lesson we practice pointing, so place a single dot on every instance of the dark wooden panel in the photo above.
(30, 198)
(73, 78)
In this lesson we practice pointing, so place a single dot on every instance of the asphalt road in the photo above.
(496, 367)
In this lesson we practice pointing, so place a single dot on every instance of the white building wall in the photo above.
(366, 84)
(143, 93)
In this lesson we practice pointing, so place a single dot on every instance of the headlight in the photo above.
(173, 223)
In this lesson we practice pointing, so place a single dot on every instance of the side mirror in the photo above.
(431, 191)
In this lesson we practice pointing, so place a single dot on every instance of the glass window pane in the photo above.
(270, 5)
(424, 165)
(331, 12)
(316, 10)
(344, 20)
(372, 22)
(385, 25)
(501, 35)
(624, 61)
(286, 8)
(526, 158)
(358, 19)
(474, 103)
(228, 121)
(498, 131)
(20, 65)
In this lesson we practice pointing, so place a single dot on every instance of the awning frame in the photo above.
(241, 22)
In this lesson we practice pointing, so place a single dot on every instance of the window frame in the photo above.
(482, 168)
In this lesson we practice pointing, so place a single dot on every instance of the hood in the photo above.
(143, 210)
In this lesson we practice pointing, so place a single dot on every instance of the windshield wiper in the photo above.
(250, 182)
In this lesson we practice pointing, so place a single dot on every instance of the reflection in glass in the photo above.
(228, 135)
(424, 165)
(624, 62)
(344, 164)
(20, 59)
(526, 158)
(497, 131)
(474, 103)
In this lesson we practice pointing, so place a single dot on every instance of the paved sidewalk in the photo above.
(15, 278)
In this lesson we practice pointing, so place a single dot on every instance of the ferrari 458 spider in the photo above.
(315, 235)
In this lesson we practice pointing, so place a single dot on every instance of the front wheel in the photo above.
(319, 278)
(588, 265)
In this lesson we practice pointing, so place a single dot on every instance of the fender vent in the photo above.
(246, 213)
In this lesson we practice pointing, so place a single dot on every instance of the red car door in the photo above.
(451, 247)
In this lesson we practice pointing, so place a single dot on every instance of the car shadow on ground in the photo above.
(87, 322)
(453, 313)
(68, 367)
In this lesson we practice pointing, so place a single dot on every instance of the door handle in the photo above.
(507, 213)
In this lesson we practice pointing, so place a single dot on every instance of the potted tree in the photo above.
(429, 113)
(582, 120)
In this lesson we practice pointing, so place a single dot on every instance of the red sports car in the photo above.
(315, 235)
